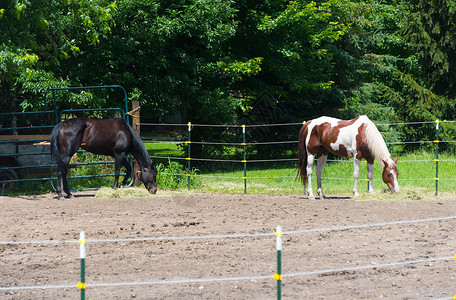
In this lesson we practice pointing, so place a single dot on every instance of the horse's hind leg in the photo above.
(321, 163)
(62, 181)
(65, 186)
(59, 185)
(310, 161)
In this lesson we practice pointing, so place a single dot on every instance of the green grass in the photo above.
(416, 175)
(164, 149)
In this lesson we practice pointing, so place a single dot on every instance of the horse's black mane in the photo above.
(139, 150)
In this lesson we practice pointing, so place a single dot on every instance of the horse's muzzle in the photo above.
(394, 190)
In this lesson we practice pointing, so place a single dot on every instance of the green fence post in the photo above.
(278, 276)
(245, 160)
(82, 248)
(189, 157)
(57, 116)
(436, 157)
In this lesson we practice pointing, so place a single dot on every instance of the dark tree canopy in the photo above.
(236, 61)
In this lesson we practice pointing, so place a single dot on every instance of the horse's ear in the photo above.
(395, 160)
(385, 163)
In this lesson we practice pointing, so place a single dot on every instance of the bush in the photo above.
(174, 176)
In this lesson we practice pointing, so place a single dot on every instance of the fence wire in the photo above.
(239, 235)
(431, 178)
(245, 277)
(236, 278)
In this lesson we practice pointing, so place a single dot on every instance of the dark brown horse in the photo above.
(358, 137)
(113, 137)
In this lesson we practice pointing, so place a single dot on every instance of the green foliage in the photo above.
(173, 54)
(174, 176)
(31, 188)
(92, 169)
(238, 62)
(39, 36)
(429, 28)
(300, 37)
(235, 69)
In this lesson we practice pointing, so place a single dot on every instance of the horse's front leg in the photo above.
(321, 163)
(309, 169)
(128, 174)
(356, 164)
(370, 176)
(117, 165)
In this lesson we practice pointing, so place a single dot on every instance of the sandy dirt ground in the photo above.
(321, 259)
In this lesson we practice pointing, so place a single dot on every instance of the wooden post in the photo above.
(136, 127)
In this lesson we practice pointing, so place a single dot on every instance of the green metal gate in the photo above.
(25, 150)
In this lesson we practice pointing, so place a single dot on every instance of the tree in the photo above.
(388, 65)
(298, 57)
(174, 54)
(430, 29)
(37, 37)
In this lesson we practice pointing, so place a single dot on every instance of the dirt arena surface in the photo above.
(173, 267)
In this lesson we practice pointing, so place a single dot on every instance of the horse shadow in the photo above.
(331, 197)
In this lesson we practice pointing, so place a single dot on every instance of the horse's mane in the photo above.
(375, 142)
(139, 150)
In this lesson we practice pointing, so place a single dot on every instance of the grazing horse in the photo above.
(113, 137)
(359, 138)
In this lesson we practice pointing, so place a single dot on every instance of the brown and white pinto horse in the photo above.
(359, 138)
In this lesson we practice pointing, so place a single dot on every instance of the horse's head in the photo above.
(149, 178)
(390, 175)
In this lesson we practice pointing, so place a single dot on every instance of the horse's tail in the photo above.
(55, 150)
(302, 155)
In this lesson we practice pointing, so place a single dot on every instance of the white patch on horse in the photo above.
(394, 174)
(318, 121)
(347, 138)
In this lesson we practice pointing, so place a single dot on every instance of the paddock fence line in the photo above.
(242, 131)
(83, 285)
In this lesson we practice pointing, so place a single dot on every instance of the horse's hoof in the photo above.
(61, 198)
(311, 197)
(355, 195)
(70, 197)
